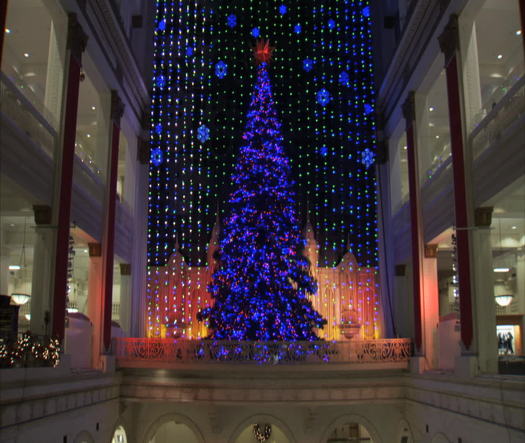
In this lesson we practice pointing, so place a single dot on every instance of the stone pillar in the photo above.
(461, 163)
(94, 302)
(76, 44)
(3, 17)
(4, 266)
(42, 270)
(520, 289)
(409, 112)
(125, 297)
(108, 244)
(430, 305)
(484, 303)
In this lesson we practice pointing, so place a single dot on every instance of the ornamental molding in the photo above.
(76, 37)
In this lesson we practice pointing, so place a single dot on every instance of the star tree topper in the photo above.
(263, 51)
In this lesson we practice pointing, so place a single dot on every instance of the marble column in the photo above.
(76, 44)
(430, 305)
(484, 304)
(125, 297)
(461, 167)
(108, 242)
(95, 299)
(409, 113)
(41, 285)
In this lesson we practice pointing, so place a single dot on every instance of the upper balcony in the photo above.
(153, 353)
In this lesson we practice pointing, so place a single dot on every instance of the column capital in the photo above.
(125, 268)
(483, 216)
(76, 37)
(43, 214)
(449, 38)
(95, 250)
(117, 107)
(431, 250)
(409, 108)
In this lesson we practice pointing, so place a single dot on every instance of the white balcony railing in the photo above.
(509, 111)
(133, 352)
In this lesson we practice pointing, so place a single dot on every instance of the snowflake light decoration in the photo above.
(256, 32)
(323, 151)
(367, 158)
(162, 25)
(323, 97)
(231, 21)
(221, 69)
(203, 133)
(283, 9)
(331, 23)
(297, 28)
(344, 78)
(368, 108)
(161, 81)
(308, 64)
(156, 156)
(158, 128)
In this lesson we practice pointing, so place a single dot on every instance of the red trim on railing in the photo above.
(3, 18)
(414, 221)
(109, 238)
(460, 201)
(64, 210)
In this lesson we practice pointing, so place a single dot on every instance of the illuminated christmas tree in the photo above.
(262, 284)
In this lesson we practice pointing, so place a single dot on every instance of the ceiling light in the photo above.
(15, 267)
(501, 269)
(20, 299)
(437, 136)
(8, 31)
(88, 135)
(431, 125)
(496, 75)
(28, 317)
(500, 56)
(503, 299)
(30, 74)
(514, 227)
(405, 148)
(12, 225)
(86, 251)
(518, 32)
(431, 108)
(26, 54)
(72, 310)
(93, 108)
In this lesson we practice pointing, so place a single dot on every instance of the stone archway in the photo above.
(279, 433)
(119, 436)
(174, 428)
(351, 427)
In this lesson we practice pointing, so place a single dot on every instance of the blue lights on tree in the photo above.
(297, 28)
(331, 23)
(156, 156)
(323, 97)
(256, 32)
(283, 9)
(221, 69)
(344, 78)
(262, 283)
(367, 158)
(308, 64)
(203, 133)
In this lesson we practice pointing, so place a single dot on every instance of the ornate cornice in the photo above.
(449, 39)
(76, 37)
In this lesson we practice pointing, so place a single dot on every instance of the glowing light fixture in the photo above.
(501, 269)
(504, 299)
(15, 267)
(20, 298)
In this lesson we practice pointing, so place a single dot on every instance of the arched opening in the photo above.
(84, 437)
(174, 432)
(351, 428)
(262, 433)
(119, 435)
